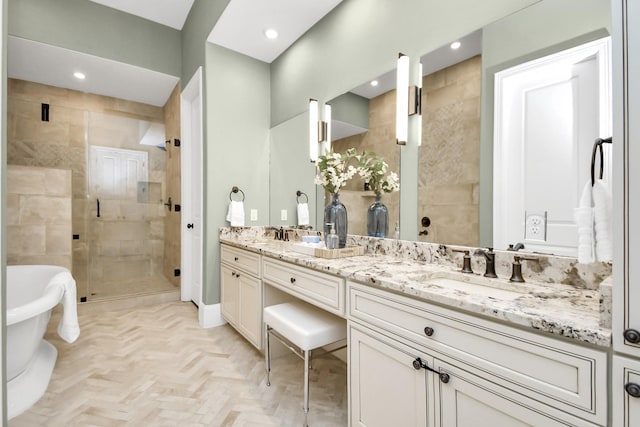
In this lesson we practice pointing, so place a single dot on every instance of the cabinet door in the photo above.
(229, 295)
(470, 401)
(625, 388)
(385, 389)
(250, 306)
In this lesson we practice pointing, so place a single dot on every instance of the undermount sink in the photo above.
(476, 284)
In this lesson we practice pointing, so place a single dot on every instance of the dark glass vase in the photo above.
(336, 213)
(378, 219)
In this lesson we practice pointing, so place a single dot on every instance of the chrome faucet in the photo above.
(466, 260)
(516, 268)
(490, 262)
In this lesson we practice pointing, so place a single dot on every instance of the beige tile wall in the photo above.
(172, 219)
(449, 157)
(63, 143)
(381, 139)
(38, 216)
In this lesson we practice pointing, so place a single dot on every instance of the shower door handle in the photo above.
(98, 206)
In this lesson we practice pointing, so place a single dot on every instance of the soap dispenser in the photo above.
(331, 240)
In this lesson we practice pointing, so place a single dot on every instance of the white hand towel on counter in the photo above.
(583, 216)
(303, 214)
(68, 328)
(602, 207)
(235, 214)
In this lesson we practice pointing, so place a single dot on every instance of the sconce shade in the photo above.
(402, 99)
(327, 126)
(313, 130)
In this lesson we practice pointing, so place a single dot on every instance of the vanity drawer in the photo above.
(244, 260)
(320, 289)
(561, 374)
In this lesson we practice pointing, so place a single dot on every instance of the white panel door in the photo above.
(114, 173)
(548, 115)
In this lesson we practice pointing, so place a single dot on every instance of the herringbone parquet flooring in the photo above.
(154, 366)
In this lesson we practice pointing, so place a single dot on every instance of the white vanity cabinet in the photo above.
(469, 371)
(626, 269)
(241, 292)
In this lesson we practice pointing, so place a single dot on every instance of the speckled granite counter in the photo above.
(575, 312)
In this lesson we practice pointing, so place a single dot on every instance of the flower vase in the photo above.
(377, 219)
(336, 213)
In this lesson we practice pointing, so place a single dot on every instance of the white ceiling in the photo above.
(242, 24)
(171, 13)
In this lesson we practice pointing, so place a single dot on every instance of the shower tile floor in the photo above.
(122, 288)
(154, 366)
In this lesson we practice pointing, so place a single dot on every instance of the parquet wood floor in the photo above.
(154, 366)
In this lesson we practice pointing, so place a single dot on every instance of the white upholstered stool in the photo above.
(306, 327)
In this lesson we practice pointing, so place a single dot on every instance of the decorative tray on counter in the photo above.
(322, 252)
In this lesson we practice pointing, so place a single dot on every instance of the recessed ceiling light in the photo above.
(455, 45)
(270, 33)
(374, 83)
(78, 75)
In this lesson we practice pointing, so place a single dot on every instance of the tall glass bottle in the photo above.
(377, 219)
(335, 212)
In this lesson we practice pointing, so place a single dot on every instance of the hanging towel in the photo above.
(602, 208)
(583, 216)
(235, 214)
(68, 328)
(303, 214)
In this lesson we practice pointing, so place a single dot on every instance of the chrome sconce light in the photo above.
(319, 130)
(408, 99)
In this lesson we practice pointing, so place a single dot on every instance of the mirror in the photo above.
(456, 157)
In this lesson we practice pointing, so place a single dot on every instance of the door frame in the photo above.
(192, 91)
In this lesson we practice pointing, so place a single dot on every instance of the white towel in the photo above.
(602, 219)
(235, 214)
(583, 216)
(68, 328)
(303, 214)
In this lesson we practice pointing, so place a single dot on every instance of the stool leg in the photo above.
(267, 354)
(306, 386)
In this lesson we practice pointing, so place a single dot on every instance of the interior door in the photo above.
(191, 284)
(548, 114)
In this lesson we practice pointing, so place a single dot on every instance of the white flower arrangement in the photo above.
(373, 169)
(334, 170)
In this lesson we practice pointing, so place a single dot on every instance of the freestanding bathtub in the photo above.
(32, 292)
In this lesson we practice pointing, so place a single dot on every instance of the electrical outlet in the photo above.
(535, 227)
(254, 214)
(283, 215)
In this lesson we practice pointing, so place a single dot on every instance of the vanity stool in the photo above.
(301, 325)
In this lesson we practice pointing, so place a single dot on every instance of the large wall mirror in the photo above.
(455, 164)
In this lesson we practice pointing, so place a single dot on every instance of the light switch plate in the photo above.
(254, 214)
(283, 215)
(535, 226)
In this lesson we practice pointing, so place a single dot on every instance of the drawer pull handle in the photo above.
(419, 364)
(292, 280)
(633, 389)
(428, 331)
(236, 259)
(632, 336)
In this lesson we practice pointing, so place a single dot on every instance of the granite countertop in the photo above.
(559, 309)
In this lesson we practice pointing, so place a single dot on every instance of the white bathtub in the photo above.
(31, 295)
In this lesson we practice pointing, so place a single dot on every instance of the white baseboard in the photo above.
(209, 316)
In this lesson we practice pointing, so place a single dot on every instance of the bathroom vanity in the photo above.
(428, 345)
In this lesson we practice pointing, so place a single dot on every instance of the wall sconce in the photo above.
(402, 99)
(319, 130)
(419, 102)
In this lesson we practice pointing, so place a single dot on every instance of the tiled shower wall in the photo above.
(449, 177)
(38, 216)
(61, 143)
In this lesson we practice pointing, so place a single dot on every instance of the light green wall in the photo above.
(351, 108)
(516, 39)
(236, 150)
(88, 27)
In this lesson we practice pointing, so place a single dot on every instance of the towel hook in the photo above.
(235, 189)
(301, 193)
(597, 146)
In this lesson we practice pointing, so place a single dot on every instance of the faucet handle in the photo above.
(516, 268)
(466, 260)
